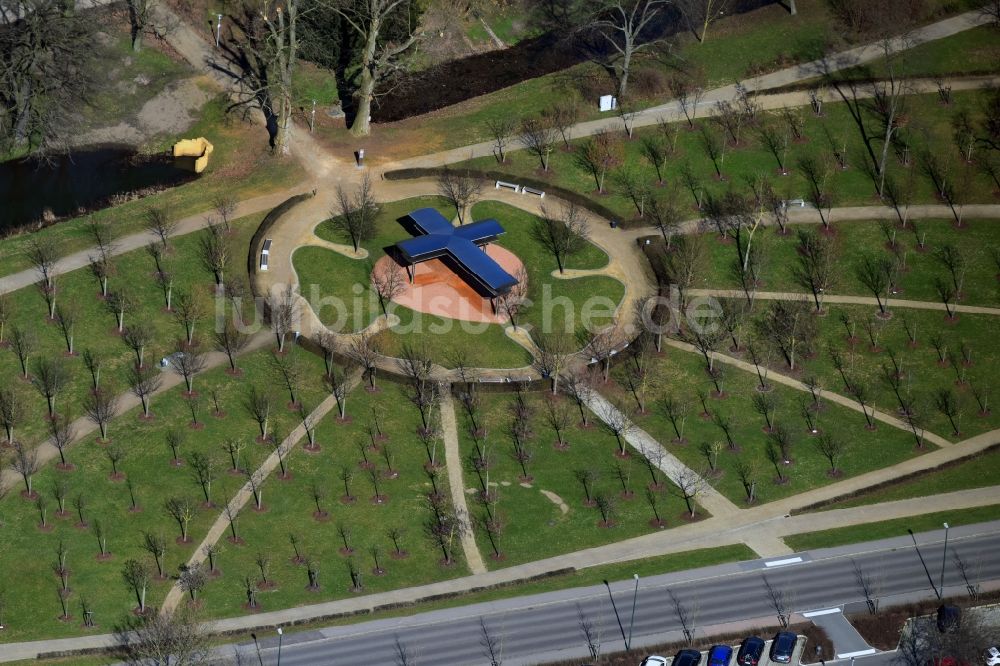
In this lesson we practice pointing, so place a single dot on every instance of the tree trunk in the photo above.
(361, 125)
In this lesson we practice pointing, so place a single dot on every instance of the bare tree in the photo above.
(554, 349)
(539, 138)
(182, 510)
(869, 585)
(284, 314)
(137, 576)
(700, 14)
(501, 129)
(26, 464)
(562, 234)
(355, 213)
(232, 341)
(216, 251)
(689, 485)
(624, 26)
(138, 336)
(23, 341)
(389, 281)
(189, 309)
(875, 272)
(101, 405)
(67, 316)
(43, 252)
(461, 189)
(188, 363)
(50, 377)
(687, 616)
(258, 405)
(366, 350)
(780, 601)
(515, 300)
(144, 382)
(159, 220)
(491, 643)
(599, 154)
(562, 116)
(165, 638)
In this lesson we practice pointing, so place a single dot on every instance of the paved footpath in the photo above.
(852, 300)
(453, 463)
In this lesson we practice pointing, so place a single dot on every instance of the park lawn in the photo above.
(341, 279)
(976, 471)
(841, 536)
(534, 526)
(96, 329)
(32, 603)
(240, 166)
(290, 510)
(681, 374)
(924, 375)
(857, 239)
(972, 51)
(850, 186)
(450, 340)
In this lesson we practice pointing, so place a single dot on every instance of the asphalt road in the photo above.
(548, 626)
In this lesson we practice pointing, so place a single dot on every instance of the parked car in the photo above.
(687, 658)
(751, 650)
(992, 656)
(949, 618)
(720, 655)
(654, 660)
(782, 647)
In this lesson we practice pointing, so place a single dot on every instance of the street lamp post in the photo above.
(218, 29)
(280, 632)
(635, 595)
(944, 556)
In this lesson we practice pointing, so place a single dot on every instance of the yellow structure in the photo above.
(192, 154)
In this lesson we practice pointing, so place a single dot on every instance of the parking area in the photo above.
(681, 659)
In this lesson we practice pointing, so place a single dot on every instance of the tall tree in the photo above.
(268, 54)
(385, 30)
(47, 72)
(626, 27)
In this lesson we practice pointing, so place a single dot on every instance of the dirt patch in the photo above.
(170, 112)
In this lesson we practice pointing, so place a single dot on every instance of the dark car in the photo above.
(948, 618)
(687, 658)
(783, 646)
(751, 650)
(720, 655)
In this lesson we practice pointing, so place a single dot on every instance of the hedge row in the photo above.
(493, 176)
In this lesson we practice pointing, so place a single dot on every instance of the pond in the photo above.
(37, 192)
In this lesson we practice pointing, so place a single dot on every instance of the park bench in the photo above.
(531, 190)
(510, 186)
(265, 253)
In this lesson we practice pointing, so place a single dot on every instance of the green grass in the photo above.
(850, 187)
(240, 166)
(96, 330)
(534, 526)
(855, 240)
(681, 375)
(923, 375)
(32, 604)
(890, 528)
(976, 471)
(290, 509)
(341, 279)
(973, 51)
(313, 83)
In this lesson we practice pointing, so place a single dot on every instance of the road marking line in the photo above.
(859, 653)
(781, 563)
(825, 611)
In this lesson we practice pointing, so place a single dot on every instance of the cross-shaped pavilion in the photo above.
(461, 244)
